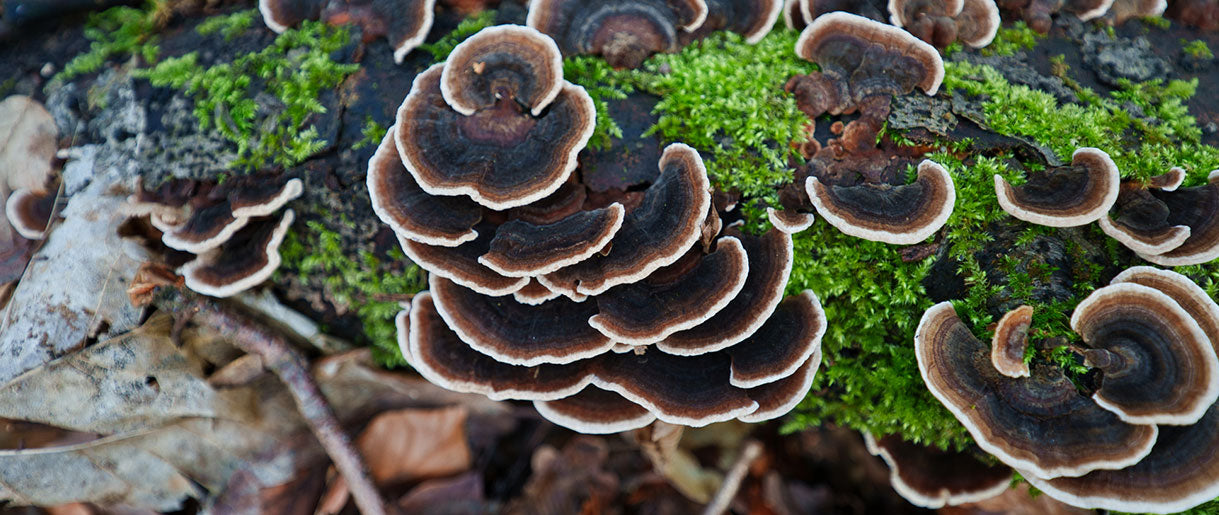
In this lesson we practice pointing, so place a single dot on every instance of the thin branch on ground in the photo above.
(732, 482)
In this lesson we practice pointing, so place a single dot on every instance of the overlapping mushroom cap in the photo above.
(405, 23)
(1065, 196)
(625, 32)
(1164, 216)
(901, 215)
(934, 478)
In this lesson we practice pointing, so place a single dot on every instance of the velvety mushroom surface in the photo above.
(934, 478)
(1198, 209)
(894, 62)
(505, 61)
(1010, 340)
(411, 212)
(243, 261)
(1067, 196)
(901, 215)
(625, 32)
(405, 23)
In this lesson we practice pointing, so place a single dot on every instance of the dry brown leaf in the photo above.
(28, 140)
(412, 444)
(461, 494)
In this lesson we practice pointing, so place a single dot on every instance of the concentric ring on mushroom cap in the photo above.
(654, 234)
(790, 222)
(770, 263)
(1066, 196)
(522, 249)
(1166, 371)
(595, 411)
(933, 478)
(900, 215)
(258, 197)
(1153, 240)
(788, 338)
(902, 12)
(30, 212)
(625, 32)
(978, 23)
(1168, 181)
(1010, 340)
(1074, 434)
(460, 264)
(411, 212)
(647, 311)
(241, 262)
(505, 61)
(404, 22)
(1198, 208)
(836, 40)
(780, 397)
(519, 334)
(1087, 10)
(205, 229)
(501, 157)
(534, 294)
(752, 19)
(280, 15)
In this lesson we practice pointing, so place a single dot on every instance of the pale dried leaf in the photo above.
(413, 444)
(28, 139)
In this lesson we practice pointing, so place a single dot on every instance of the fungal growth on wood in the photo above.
(973, 22)
(405, 23)
(624, 32)
(1066, 196)
(934, 478)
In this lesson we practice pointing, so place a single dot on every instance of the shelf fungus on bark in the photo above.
(933, 478)
(595, 411)
(797, 14)
(790, 221)
(1122, 10)
(243, 261)
(624, 32)
(900, 215)
(1141, 221)
(1038, 13)
(501, 155)
(1010, 340)
(1196, 208)
(460, 264)
(940, 23)
(405, 23)
(1066, 196)
(29, 211)
(523, 249)
(534, 294)
(411, 212)
(752, 19)
(1039, 425)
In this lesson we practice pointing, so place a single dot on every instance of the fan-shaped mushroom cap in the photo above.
(256, 197)
(905, 12)
(770, 263)
(1067, 196)
(519, 334)
(29, 212)
(788, 338)
(1142, 226)
(1164, 369)
(978, 23)
(205, 229)
(279, 15)
(1123, 10)
(1197, 208)
(501, 157)
(595, 411)
(404, 22)
(1041, 424)
(534, 293)
(1192, 298)
(750, 18)
(686, 390)
(788, 221)
(566, 201)
(460, 264)
(522, 249)
(411, 212)
(1168, 181)
(934, 478)
(241, 262)
(625, 32)
(901, 215)
(777, 398)
(502, 62)
(1087, 10)
(838, 40)
(793, 14)
(1011, 338)
(653, 235)
(647, 311)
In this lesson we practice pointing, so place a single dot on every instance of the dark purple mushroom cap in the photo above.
(522, 249)
(206, 228)
(503, 62)
(933, 478)
(788, 221)
(749, 18)
(785, 342)
(1039, 424)
(778, 398)
(1010, 340)
(900, 215)
(460, 264)
(411, 212)
(404, 22)
(241, 262)
(1197, 208)
(519, 334)
(254, 196)
(502, 156)
(29, 212)
(654, 234)
(1067, 196)
(1160, 367)
(770, 262)
(534, 293)
(625, 32)
(595, 411)
(896, 62)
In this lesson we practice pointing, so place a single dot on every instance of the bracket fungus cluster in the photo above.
(1165, 224)
(933, 478)
(607, 314)
(1142, 442)
(231, 228)
(405, 23)
(972, 22)
(1064, 196)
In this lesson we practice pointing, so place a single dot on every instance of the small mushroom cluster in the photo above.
(607, 313)
(1038, 13)
(896, 63)
(1142, 442)
(232, 228)
(405, 23)
(938, 22)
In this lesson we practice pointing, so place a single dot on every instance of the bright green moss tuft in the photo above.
(1009, 40)
(115, 32)
(1197, 49)
(602, 84)
(230, 25)
(372, 133)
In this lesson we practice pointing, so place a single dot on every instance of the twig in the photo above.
(279, 357)
(732, 481)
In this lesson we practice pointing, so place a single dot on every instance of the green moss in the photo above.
(116, 32)
(373, 132)
(295, 69)
(1197, 49)
(602, 84)
(364, 283)
(230, 25)
(441, 49)
(1009, 40)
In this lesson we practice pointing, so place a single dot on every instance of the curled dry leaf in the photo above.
(28, 139)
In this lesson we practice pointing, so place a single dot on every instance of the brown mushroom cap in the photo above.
(785, 342)
(646, 312)
(837, 40)
(1010, 340)
(241, 262)
(749, 18)
(904, 12)
(534, 293)
(788, 221)
(900, 215)
(595, 411)
(205, 229)
(793, 14)
(1123, 10)
(933, 478)
(1164, 370)
(258, 197)
(280, 15)
(778, 398)
(1142, 225)
(502, 157)
(522, 249)
(504, 61)
(653, 235)
(411, 212)
(1168, 181)
(978, 23)
(460, 264)
(29, 212)
(624, 31)
(1066, 196)
(1192, 298)
(519, 334)
(1197, 208)
(770, 262)
(1040, 424)
(1087, 10)
(404, 22)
